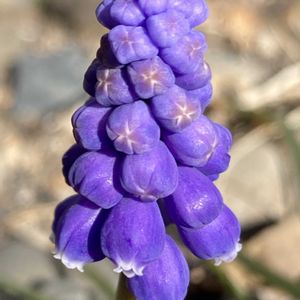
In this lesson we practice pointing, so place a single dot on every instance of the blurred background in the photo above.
(254, 52)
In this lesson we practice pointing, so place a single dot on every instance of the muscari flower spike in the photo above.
(145, 154)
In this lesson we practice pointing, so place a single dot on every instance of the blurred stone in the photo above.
(24, 265)
(268, 293)
(67, 289)
(255, 185)
(45, 83)
(278, 246)
(283, 87)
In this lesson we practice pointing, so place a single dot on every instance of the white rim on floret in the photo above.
(129, 269)
(70, 264)
(228, 257)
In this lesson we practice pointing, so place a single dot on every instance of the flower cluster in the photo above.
(145, 153)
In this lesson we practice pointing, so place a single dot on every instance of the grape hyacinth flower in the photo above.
(145, 155)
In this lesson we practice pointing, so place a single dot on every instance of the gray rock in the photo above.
(45, 83)
(256, 185)
(23, 265)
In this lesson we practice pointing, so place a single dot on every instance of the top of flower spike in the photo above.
(111, 13)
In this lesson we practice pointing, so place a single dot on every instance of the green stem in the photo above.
(122, 292)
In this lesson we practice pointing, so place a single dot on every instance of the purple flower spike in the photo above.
(76, 229)
(196, 200)
(186, 55)
(112, 87)
(150, 175)
(126, 12)
(69, 158)
(218, 240)
(133, 235)
(103, 14)
(204, 95)
(220, 159)
(153, 7)
(195, 80)
(95, 176)
(89, 125)
(195, 144)
(133, 129)
(167, 278)
(151, 77)
(167, 28)
(131, 44)
(199, 12)
(174, 110)
(182, 7)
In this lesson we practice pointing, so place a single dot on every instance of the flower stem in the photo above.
(123, 292)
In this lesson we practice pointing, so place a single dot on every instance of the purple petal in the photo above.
(113, 87)
(131, 44)
(182, 6)
(194, 145)
(174, 109)
(133, 129)
(69, 158)
(167, 28)
(151, 77)
(167, 278)
(76, 228)
(150, 175)
(153, 7)
(89, 125)
(95, 175)
(133, 235)
(218, 240)
(220, 159)
(199, 12)
(186, 55)
(106, 55)
(126, 12)
(196, 200)
(195, 80)
(90, 77)
(204, 95)
(103, 14)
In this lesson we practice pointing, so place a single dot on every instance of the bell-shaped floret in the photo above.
(218, 240)
(167, 278)
(150, 175)
(151, 77)
(199, 12)
(132, 128)
(113, 87)
(182, 6)
(126, 12)
(196, 200)
(167, 28)
(69, 158)
(195, 80)
(220, 159)
(194, 145)
(130, 44)
(186, 55)
(153, 7)
(103, 14)
(133, 235)
(174, 109)
(95, 175)
(204, 95)
(90, 77)
(76, 229)
(106, 56)
(89, 125)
